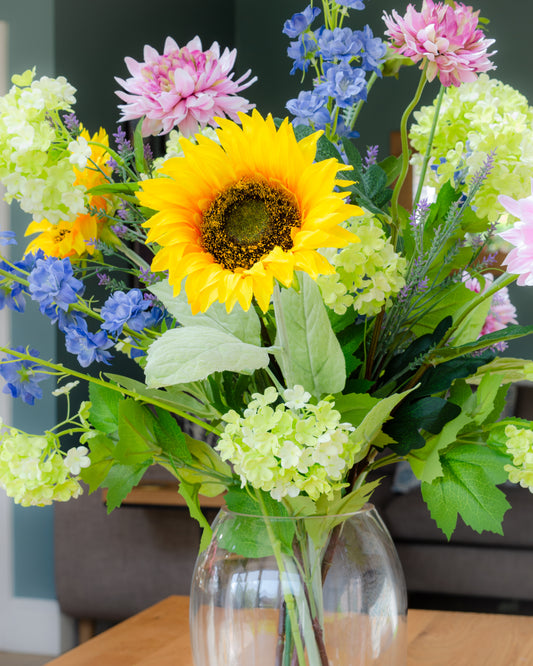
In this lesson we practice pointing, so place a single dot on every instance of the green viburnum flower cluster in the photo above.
(475, 119)
(35, 163)
(34, 471)
(289, 447)
(367, 274)
(520, 445)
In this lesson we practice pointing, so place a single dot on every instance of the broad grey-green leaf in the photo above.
(191, 353)
(243, 325)
(313, 357)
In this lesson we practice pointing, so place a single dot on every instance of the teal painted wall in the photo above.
(87, 42)
(31, 42)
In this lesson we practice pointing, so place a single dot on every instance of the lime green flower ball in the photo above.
(476, 119)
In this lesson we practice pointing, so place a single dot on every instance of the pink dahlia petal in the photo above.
(184, 88)
(446, 37)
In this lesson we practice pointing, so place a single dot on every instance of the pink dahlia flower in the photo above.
(447, 38)
(501, 313)
(184, 87)
(520, 259)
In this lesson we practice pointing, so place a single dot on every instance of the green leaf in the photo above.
(429, 413)
(392, 167)
(172, 396)
(114, 188)
(244, 325)
(326, 150)
(315, 358)
(468, 488)
(370, 427)
(120, 481)
(102, 456)
(138, 148)
(191, 353)
(206, 460)
(170, 437)
(355, 406)
(103, 414)
(511, 332)
(319, 529)
(136, 442)
(248, 534)
(511, 370)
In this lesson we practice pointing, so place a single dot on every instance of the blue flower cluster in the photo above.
(22, 377)
(341, 58)
(129, 309)
(11, 290)
(53, 285)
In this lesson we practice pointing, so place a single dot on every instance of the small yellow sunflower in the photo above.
(77, 238)
(233, 217)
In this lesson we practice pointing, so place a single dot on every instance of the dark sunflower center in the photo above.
(248, 220)
(60, 235)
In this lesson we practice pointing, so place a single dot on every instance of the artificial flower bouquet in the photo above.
(266, 280)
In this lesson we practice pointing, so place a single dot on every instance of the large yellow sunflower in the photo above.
(78, 237)
(233, 217)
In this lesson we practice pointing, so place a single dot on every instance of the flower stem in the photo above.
(427, 154)
(62, 370)
(290, 602)
(405, 154)
(283, 338)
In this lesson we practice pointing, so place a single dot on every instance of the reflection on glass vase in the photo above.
(320, 591)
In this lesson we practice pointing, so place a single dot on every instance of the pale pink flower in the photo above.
(520, 259)
(184, 87)
(501, 313)
(446, 37)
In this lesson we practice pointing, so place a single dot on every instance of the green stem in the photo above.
(290, 601)
(60, 369)
(427, 154)
(373, 78)
(405, 154)
(133, 256)
(283, 337)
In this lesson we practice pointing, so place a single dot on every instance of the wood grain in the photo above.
(159, 636)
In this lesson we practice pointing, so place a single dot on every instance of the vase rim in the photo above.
(367, 508)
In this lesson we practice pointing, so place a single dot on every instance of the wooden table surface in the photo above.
(159, 636)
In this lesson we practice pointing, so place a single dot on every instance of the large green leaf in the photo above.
(191, 353)
(103, 414)
(313, 357)
(136, 440)
(244, 325)
(468, 488)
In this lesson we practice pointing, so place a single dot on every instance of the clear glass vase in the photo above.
(320, 591)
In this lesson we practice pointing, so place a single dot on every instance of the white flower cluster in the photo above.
(520, 445)
(34, 160)
(367, 274)
(476, 119)
(33, 470)
(291, 447)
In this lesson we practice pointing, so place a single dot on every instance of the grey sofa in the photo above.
(111, 566)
